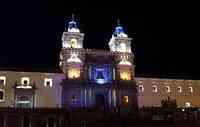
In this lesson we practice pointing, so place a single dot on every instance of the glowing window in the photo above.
(73, 73)
(179, 89)
(2, 92)
(125, 99)
(125, 75)
(73, 43)
(141, 88)
(25, 81)
(2, 80)
(190, 89)
(48, 82)
(187, 104)
(167, 89)
(155, 89)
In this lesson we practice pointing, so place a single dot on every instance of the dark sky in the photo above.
(165, 35)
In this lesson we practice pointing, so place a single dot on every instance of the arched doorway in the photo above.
(100, 100)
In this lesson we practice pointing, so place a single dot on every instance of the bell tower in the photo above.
(120, 42)
(72, 37)
(71, 54)
(120, 45)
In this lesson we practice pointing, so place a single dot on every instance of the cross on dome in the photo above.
(72, 25)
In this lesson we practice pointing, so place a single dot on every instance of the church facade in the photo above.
(94, 78)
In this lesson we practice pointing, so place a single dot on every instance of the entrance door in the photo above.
(100, 100)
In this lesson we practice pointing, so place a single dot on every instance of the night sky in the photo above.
(165, 36)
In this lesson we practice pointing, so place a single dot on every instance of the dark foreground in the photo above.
(57, 117)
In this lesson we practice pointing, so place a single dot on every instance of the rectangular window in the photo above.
(74, 73)
(25, 81)
(2, 95)
(48, 82)
(125, 99)
(2, 80)
(125, 75)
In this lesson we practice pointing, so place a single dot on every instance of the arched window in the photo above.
(2, 92)
(191, 90)
(179, 89)
(2, 80)
(167, 89)
(154, 89)
(141, 88)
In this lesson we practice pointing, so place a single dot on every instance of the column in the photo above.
(114, 97)
(85, 97)
(4, 121)
(47, 122)
(90, 97)
(30, 121)
(22, 121)
(110, 98)
(54, 122)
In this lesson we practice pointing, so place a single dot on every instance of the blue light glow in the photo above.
(100, 81)
(101, 74)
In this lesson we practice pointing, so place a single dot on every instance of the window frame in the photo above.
(191, 89)
(3, 91)
(25, 78)
(156, 89)
(48, 80)
(179, 87)
(4, 79)
(142, 86)
(167, 89)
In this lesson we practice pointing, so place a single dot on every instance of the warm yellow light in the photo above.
(125, 99)
(125, 75)
(73, 43)
(73, 73)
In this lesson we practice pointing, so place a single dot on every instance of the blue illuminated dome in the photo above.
(119, 31)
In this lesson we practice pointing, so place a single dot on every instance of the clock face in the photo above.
(73, 43)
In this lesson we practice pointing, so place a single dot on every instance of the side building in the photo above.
(30, 89)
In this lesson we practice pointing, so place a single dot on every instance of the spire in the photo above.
(119, 31)
(72, 17)
(118, 22)
(72, 25)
